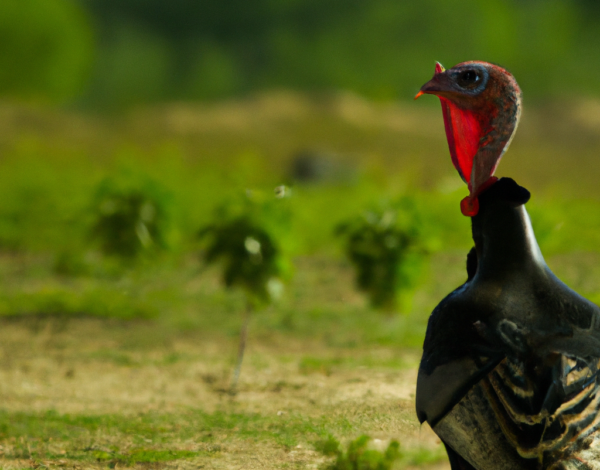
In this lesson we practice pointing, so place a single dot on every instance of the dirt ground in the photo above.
(90, 368)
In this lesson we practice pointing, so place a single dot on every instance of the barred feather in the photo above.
(548, 413)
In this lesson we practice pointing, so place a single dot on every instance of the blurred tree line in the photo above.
(119, 52)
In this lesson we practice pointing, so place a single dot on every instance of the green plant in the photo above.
(130, 217)
(387, 247)
(360, 454)
(244, 239)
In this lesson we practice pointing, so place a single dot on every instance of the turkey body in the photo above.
(509, 377)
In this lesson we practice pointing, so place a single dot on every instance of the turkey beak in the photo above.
(437, 85)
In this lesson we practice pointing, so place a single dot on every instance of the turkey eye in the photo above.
(469, 79)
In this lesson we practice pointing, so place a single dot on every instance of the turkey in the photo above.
(509, 375)
(481, 104)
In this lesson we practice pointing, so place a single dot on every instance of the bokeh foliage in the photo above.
(384, 48)
(387, 246)
(46, 49)
(130, 216)
(246, 236)
(360, 455)
(48, 180)
(156, 50)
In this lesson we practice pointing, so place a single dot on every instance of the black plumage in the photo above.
(509, 375)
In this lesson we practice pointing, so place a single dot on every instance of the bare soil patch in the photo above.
(91, 368)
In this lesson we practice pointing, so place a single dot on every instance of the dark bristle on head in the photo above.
(508, 190)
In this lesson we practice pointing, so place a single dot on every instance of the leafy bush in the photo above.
(387, 247)
(245, 237)
(360, 456)
(130, 217)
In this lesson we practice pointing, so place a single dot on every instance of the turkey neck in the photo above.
(504, 239)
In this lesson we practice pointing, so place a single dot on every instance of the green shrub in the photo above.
(359, 456)
(130, 217)
(245, 238)
(387, 247)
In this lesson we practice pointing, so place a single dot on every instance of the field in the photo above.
(116, 401)
(105, 363)
(88, 393)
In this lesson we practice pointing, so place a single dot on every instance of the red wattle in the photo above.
(464, 132)
(469, 207)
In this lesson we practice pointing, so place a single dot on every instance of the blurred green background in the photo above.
(104, 53)
(154, 114)
(284, 132)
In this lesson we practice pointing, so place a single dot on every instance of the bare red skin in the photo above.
(479, 127)
(469, 206)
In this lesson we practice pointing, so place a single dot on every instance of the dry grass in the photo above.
(89, 368)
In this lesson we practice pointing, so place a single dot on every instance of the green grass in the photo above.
(361, 454)
(62, 301)
(423, 456)
(150, 437)
(141, 455)
(156, 437)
